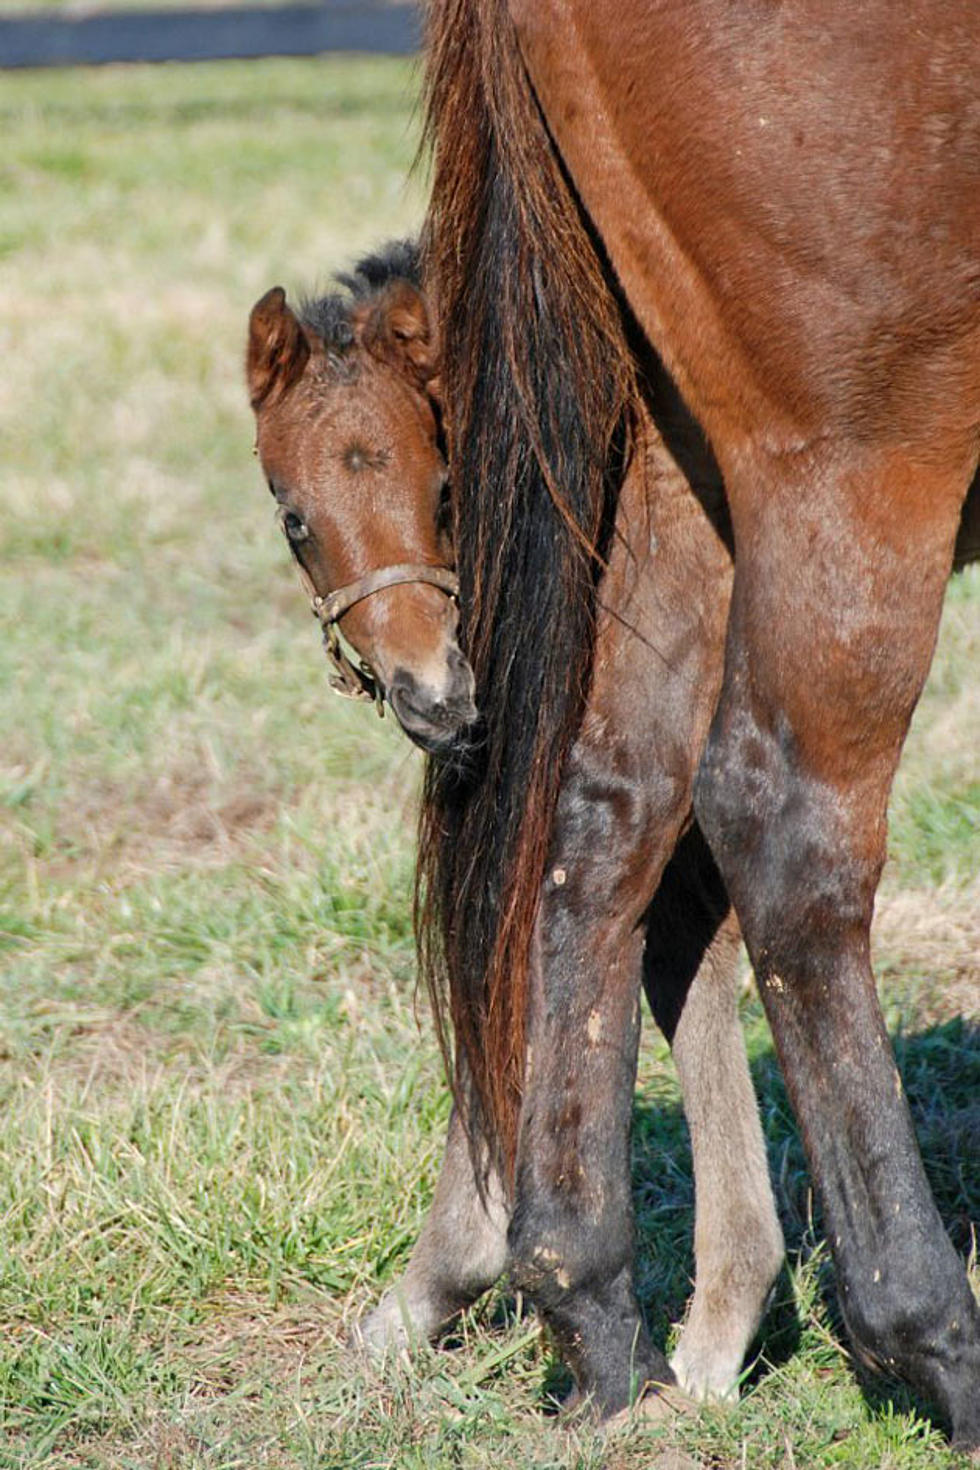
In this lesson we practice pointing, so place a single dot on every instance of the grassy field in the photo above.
(221, 1106)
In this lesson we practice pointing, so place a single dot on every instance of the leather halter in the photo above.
(359, 681)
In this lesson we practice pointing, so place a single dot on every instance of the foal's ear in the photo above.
(277, 348)
(397, 328)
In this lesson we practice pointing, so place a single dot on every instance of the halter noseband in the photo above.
(359, 681)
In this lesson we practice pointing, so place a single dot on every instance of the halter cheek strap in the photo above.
(359, 681)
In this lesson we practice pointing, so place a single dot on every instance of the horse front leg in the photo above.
(832, 628)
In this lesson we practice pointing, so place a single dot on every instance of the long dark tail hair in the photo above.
(537, 381)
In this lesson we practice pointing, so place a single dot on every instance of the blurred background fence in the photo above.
(206, 33)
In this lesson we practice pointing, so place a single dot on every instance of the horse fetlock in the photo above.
(460, 1253)
(583, 1288)
(547, 1273)
(923, 1327)
(709, 1356)
(963, 1398)
(567, 1253)
(599, 1330)
(708, 1372)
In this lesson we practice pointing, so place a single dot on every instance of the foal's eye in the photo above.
(295, 529)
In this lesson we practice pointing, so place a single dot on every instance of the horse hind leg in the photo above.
(691, 979)
(831, 631)
(460, 1253)
(571, 1234)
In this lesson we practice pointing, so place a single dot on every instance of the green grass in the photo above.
(222, 1105)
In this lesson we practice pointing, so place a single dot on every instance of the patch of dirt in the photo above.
(933, 933)
(166, 1443)
(112, 1053)
(184, 817)
(245, 1354)
(247, 1337)
(184, 811)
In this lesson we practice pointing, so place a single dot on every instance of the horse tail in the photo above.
(537, 381)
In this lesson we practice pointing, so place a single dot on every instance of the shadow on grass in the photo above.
(940, 1069)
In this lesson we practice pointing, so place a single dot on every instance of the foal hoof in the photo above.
(385, 1330)
(706, 1381)
(405, 1318)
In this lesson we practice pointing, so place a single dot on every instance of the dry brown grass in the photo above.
(933, 934)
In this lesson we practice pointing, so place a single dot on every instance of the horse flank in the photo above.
(538, 382)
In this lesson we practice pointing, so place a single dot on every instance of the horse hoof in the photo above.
(704, 1381)
(658, 1408)
(401, 1321)
(660, 1404)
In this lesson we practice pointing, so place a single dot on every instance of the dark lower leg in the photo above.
(571, 1235)
(903, 1290)
(792, 795)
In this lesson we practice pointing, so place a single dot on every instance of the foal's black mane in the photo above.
(330, 316)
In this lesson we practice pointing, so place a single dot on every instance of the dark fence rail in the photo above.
(217, 34)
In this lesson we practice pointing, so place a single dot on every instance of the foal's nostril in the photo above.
(462, 684)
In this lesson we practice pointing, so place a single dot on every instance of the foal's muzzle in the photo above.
(434, 718)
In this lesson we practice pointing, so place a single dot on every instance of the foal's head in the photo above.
(347, 433)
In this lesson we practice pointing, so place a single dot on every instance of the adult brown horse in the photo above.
(347, 407)
(786, 201)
